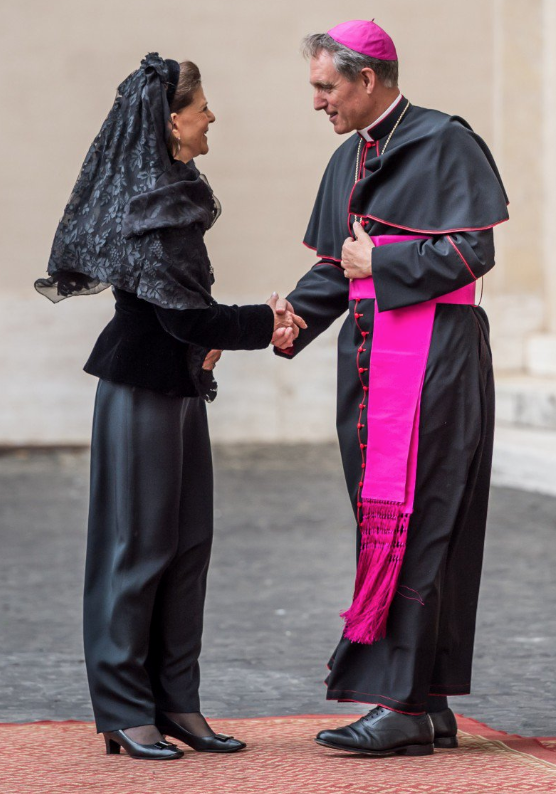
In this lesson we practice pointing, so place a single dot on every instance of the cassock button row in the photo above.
(361, 350)
(357, 315)
(363, 465)
(361, 484)
(361, 405)
(363, 369)
(362, 446)
(365, 388)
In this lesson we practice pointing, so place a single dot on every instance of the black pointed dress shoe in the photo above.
(159, 751)
(383, 732)
(445, 728)
(215, 743)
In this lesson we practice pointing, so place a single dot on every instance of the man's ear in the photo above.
(369, 79)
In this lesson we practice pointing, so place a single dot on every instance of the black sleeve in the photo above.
(415, 271)
(220, 327)
(320, 297)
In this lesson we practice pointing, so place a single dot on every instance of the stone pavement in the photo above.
(282, 569)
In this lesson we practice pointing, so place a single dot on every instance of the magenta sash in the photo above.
(399, 353)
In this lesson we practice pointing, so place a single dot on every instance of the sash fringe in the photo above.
(383, 541)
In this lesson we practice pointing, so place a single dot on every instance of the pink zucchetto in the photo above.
(365, 38)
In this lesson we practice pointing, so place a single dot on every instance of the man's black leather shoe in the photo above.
(383, 732)
(445, 728)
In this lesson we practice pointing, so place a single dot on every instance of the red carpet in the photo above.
(68, 757)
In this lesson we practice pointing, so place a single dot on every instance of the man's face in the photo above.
(346, 104)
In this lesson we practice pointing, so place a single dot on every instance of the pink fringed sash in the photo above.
(400, 349)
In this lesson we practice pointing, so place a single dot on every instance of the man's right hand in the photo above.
(286, 322)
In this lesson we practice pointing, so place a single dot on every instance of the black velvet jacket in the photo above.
(148, 346)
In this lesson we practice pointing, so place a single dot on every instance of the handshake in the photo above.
(286, 328)
(286, 322)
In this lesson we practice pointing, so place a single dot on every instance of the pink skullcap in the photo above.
(366, 38)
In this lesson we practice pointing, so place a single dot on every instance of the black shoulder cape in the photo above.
(436, 176)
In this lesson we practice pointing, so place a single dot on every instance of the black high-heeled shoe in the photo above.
(159, 751)
(215, 743)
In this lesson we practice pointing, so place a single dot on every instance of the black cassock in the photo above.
(436, 178)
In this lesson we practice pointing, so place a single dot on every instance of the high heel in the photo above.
(112, 747)
(159, 751)
(216, 743)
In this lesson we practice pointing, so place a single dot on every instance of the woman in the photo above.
(136, 221)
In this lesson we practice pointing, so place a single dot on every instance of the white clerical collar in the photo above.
(366, 133)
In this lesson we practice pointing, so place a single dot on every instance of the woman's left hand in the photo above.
(357, 254)
(210, 361)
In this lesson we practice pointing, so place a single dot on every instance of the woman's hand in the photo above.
(210, 361)
(286, 322)
(357, 254)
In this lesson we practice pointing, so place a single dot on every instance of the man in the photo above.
(419, 194)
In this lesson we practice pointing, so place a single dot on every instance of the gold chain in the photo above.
(395, 128)
(358, 158)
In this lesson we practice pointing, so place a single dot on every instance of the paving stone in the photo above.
(282, 570)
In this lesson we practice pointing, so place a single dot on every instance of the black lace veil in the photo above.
(136, 217)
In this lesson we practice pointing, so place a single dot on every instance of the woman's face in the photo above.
(190, 127)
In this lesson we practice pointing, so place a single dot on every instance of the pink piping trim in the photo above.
(398, 711)
(331, 264)
(323, 256)
(431, 694)
(374, 695)
(427, 231)
(362, 405)
(461, 256)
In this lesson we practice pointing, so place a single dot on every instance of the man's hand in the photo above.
(210, 361)
(357, 254)
(286, 322)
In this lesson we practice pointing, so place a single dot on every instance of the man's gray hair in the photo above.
(347, 62)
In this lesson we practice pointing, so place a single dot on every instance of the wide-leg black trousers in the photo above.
(148, 551)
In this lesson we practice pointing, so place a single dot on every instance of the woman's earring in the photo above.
(178, 141)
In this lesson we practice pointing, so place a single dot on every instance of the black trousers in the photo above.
(148, 551)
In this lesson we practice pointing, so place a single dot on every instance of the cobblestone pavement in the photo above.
(282, 569)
